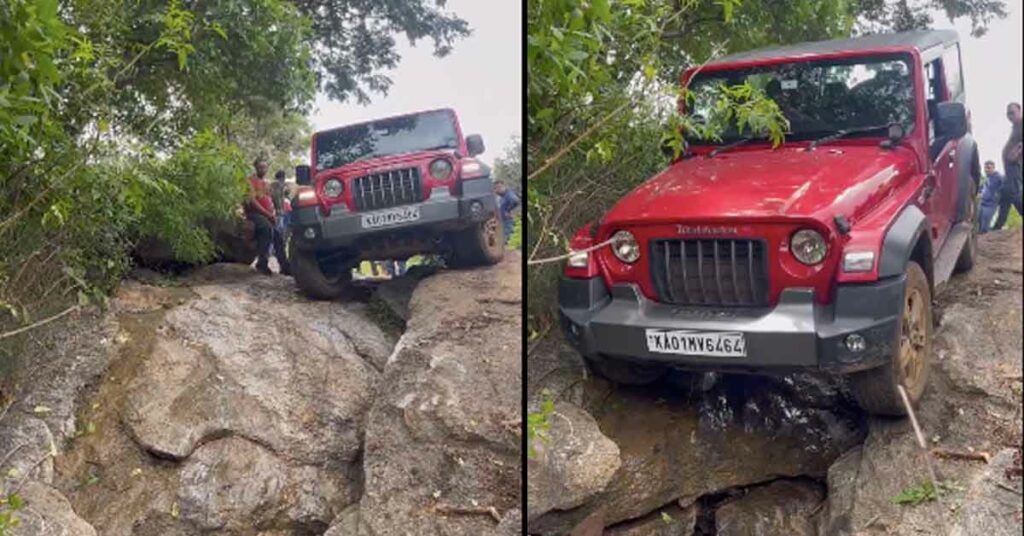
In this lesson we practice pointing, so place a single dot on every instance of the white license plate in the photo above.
(702, 343)
(392, 216)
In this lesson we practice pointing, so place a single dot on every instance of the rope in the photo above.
(570, 254)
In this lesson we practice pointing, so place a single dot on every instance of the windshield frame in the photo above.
(911, 57)
(460, 142)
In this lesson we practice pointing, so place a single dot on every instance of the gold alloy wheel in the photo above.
(913, 341)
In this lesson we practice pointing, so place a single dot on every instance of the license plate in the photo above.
(701, 343)
(393, 216)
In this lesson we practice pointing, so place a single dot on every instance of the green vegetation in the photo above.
(538, 423)
(925, 492)
(604, 82)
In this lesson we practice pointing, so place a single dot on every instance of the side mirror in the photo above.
(475, 144)
(950, 120)
(302, 175)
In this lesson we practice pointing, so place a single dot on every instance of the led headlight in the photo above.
(625, 247)
(440, 169)
(333, 188)
(578, 259)
(808, 246)
(858, 261)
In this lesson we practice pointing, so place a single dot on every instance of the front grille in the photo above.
(710, 272)
(387, 189)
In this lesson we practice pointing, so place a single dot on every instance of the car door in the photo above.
(943, 174)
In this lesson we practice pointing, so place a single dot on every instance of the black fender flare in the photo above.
(900, 242)
(967, 155)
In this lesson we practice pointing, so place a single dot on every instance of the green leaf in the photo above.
(15, 501)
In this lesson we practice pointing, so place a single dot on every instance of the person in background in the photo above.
(991, 194)
(259, 209)
(507, 202)
(1011, 192)
(279, 196)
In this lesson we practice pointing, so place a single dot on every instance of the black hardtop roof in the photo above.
(920, 40)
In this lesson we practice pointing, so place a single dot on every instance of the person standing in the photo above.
(1011, 191)
(259, 209)
(991, 195)
(279, 197)
(507, 202)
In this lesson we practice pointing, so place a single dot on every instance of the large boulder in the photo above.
(45, 512)
(233, 483)
(782, 508)
(574, 464)
(255, 360)
(442, 441)
(234, 240)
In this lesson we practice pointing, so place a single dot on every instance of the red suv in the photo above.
(389, 189)
(822, 253)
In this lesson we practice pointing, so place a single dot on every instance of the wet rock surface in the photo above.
(730, 445)
(223, 402)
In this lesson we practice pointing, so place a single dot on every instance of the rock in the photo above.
(223, 272)
(133, 297)
(742, 431)
(255, 360)
(47, 513)
(445, 431)
(232, 483)
(671, 520)
(348, 523)
(576, 463)
(234, 241)
(990, 506)
(782, 508)
(511, 523)
(26, 449)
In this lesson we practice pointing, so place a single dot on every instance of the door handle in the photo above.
(929, 185)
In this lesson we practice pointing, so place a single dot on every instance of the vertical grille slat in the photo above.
(387, 189)
(723, 272)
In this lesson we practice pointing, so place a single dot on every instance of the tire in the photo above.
(876, 389)
(311, 279)
(965, 261)
(481, 244)
(625, 372)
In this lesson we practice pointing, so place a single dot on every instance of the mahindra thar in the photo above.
(389, 189)
(822, 253)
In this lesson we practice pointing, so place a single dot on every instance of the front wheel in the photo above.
(876, 389)
(311, 278)
(626, 372)
(481, 243)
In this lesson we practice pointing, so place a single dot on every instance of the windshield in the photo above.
(431, 130)
(820, 97)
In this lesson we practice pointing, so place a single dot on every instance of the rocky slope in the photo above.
(792, 456)
(226, 403)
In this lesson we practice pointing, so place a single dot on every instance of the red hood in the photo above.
(765, 184)
(384, 162)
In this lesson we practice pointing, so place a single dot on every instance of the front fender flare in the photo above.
(900, 241)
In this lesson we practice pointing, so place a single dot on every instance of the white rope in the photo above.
(570, 254)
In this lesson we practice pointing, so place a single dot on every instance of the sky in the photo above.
(482, 79)
(992, 76)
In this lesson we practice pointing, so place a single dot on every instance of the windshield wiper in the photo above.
(732, 145)
(845, 132)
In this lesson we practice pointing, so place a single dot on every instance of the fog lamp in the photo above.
(309, 233)
(476, 209)
(856, 343)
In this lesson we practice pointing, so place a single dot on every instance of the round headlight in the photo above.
(808, 246)
(440, 169)
(625, 247)
(333, 188)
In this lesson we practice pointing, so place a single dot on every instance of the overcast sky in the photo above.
(992, 77)
(481, 79)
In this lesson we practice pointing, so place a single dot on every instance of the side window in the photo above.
(954, 77)
(933, 92)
